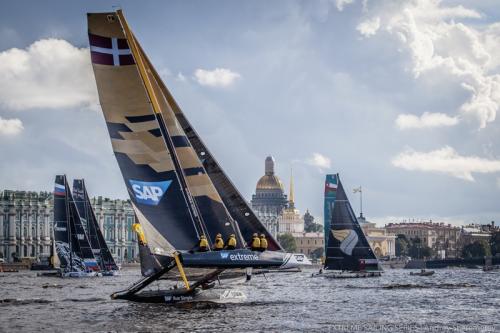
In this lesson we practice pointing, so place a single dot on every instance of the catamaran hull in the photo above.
(346, 275)
(180, 296)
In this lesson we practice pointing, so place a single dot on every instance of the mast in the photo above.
(193, 210)
(68, 227)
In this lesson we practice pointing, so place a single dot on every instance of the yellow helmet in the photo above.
(218, 235)
(255, 235)
(203, 237)
(262, 235)
(232, 235)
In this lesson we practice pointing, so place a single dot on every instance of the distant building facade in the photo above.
(308, 242)
(442, 238)
(382, 242)
(27, 218)
(476, 232)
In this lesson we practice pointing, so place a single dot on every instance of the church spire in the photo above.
(291, 196)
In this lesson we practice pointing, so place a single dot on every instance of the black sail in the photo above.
(348, 249)
(99, 247)
(72, 245)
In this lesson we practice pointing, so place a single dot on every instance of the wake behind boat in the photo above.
(179, 193)
(348, 253)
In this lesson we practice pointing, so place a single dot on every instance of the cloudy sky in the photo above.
(400, 97)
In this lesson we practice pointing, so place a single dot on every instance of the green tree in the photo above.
(418, 250)
(495, 243)
(402, 245)
(479, 248)
(313, 227)
(317, 253)
(287, 242)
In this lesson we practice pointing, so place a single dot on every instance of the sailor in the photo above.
(203, 244)
(219, 243)
(263, 243)
(255, 245)
(231, 242)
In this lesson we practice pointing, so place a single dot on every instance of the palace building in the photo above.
(27, 218)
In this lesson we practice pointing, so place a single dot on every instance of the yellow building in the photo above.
(382, 242)
(307, 242)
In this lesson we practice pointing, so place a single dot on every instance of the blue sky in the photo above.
(399, 97)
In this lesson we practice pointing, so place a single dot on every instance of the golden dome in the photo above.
(269, 182)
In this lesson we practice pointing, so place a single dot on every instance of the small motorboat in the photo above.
(423, 272)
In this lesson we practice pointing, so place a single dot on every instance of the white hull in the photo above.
(78, 274)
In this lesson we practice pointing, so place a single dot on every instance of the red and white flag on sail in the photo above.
(110, 51)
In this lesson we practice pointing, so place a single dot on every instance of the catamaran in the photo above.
(72, 244)
(177, 189)
(99, 247)
(348, 253)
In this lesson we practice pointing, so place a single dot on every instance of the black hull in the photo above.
(173, 296)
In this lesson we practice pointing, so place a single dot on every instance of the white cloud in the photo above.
(50, 73)
(445, 160)
(342, 3)
(219, 77)
(439, 44)
(369, 27)
(319, 161)
(427, 120)
(10, 126)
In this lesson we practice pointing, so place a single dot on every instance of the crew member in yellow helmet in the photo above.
(140, 233)
(219, 243)
(255, 245)
(231, 242)
(203, 244)
(263, 243)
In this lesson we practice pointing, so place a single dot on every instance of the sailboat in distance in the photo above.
(72, 244)
(348, 253)
(99, 247)
(174, 196)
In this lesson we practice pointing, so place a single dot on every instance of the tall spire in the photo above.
(291, 196)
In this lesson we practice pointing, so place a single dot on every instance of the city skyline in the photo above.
(360, 101)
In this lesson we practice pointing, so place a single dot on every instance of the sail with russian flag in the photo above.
(59, 190)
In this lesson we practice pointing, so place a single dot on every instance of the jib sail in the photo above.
(99, 247)
(348, 249)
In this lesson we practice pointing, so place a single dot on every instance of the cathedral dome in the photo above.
(269, 182)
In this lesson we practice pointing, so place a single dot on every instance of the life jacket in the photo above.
(255, 243)
(231, 242)
(263, 243)
(203, 243)
(219, 243)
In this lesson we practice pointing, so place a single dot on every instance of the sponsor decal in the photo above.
(224, 255)
(244, 257)
(299, 257)
(348, 238)
(58, 228)
(178, 298)
(149, 193)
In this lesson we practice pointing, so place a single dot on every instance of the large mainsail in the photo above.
(72, 245)
(237, 206)
(99, 247)
(348, 249)
(173, 198)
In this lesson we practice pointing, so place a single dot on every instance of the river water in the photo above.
(453, 300)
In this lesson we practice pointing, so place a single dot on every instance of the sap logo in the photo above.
(149, 193)
(224, 255)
